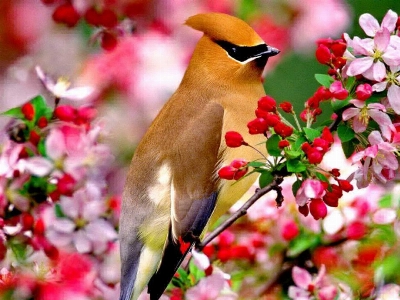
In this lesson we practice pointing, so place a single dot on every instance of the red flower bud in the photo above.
(272, 119)
(338, 48)
(34, 137)
(314, 156)
(339, 62)
(108, 18)
(286, 107)
(66, 14)
(304, 210)
(236, 170)
(321, 145)
(327, 135)
(234, 139)
(363, 91)
(42, 122)
(66, 185)
(356, 230)
(338, 91)
(108, 41)
(65, 113)
(283, 144)
(318, 209)
(267, 103)
(257, 126)
(335, 172)
(345, 185)
(27, 221)
(92, 16)
(323, 54)
(290, 230)
(28, 111)
(283, 130)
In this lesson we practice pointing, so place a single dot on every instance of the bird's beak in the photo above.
(269, 51)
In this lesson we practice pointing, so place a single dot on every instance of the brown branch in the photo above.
(274, 185)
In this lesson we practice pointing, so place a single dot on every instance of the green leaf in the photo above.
(389, 267)
(385, 201)
(58, 211)
(41, 108)
(295, 166)
(349, 147)
(195, 272)
(19, 250)
(324, 80)
(345, 133)
(311, 133)
(295, 187)
(256, 164)
(299, 141)
(350, 83)
(339, 104)
(302, 243)
(272, 145)
(321, 177)
(14, 113)
(290, 154)
(265, 179)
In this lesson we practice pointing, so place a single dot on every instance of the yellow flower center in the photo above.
(363, 116)
(377, 55)
(61, 86)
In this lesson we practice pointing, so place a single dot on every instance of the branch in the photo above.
(274, 185)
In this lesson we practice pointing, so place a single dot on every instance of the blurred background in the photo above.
(135, 78)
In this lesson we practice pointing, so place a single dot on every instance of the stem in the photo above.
(254, 148)
(56, 102)
(274, 185)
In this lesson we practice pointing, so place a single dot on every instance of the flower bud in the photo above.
(267, 103)
(283, 144)
(290, 230)
(283, 130)
(318, 209)
(65, 113)
(256, 126)
(363, 91)
(323, 54)
(234, 139)
(28, 111)
(286, 107)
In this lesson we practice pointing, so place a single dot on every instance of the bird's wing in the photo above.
(193, 190)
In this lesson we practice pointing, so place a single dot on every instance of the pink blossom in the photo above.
(213, 287)
(392, 83)
(310, 189)
(379, 156)
(371, 26)
(61, 87)
(305, 283)
(375, 53)
(361, 114)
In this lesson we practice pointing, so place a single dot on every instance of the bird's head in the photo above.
(229, 47)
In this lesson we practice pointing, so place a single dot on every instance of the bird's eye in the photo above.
(242, 53)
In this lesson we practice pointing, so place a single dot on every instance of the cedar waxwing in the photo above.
(172, 190)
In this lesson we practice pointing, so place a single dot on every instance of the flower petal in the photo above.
(38, 166)
(382, 39)
(78, 93)
(394, 97)
(389, 20)
(359, 66)
(384, 216)
(380, 86)
(350, 113)
(369, 24)
(301, 277)
(81, 242)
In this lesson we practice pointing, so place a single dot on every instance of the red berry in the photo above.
(28, 111)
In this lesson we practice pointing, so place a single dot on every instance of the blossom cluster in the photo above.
(363, 87)
(58, 221)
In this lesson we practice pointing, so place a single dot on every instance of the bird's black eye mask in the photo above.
(243, 53)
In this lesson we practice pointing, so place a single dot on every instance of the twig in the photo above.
(274, 185)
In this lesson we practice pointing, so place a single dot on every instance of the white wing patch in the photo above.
(161, 190)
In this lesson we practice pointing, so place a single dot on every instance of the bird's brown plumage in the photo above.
(172, 187)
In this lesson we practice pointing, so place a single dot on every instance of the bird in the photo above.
(172, 192)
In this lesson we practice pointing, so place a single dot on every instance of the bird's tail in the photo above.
(129, 269)
(174, 253)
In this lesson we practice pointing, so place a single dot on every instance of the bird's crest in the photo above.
(223, 27)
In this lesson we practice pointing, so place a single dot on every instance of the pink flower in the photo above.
(338, 91)
(305, 283)
(361, 114)
(374, 55)
(378, 157)
(310, 189)
(392, 83)
(213, 287)
(61, 87)
(371, 26)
